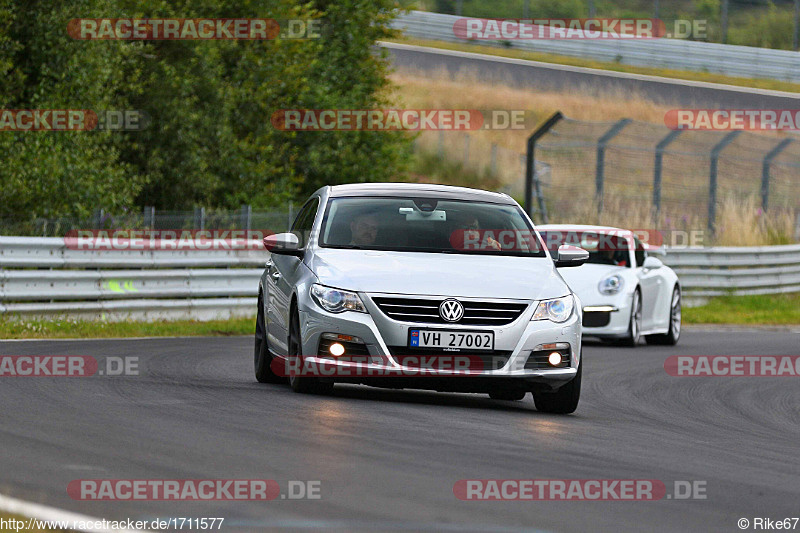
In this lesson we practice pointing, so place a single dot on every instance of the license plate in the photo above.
(450, 340)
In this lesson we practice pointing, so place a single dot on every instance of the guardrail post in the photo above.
(601, 160)
(494, 159)
(712, 178)
(660, 148)
(441, 144)
(765, 171)
(530, 168)
(466, 149)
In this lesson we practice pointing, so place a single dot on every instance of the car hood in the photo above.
(583, 280)
(470, 276)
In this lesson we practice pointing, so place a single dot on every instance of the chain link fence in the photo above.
(245, 218)
(738, 188)
(628, 172)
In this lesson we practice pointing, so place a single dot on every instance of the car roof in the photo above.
(423, 190)
(584, 227)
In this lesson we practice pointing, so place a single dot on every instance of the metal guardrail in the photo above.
(42, 277)
(734, 270)
(731, 60)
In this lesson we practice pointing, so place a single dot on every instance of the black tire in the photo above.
(303, 384)
(564, 400)
(508, 396)
(670, 338)
(262, 359)
(634, 334)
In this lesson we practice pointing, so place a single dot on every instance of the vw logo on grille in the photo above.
(451, 310)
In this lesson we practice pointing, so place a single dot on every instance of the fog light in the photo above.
(554, 358)
(336, 349)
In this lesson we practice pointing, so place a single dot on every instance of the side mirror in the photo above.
(652, 263)
(283, 244)
(571, 256)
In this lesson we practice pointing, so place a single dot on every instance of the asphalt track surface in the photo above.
(560, 78)
(388, 460)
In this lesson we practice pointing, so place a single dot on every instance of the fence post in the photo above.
(530, 170)
(660, 147)
(797, 227)
(149, 217)
(765, 171)
(712, 178)
(601, 157)
(199, 218)
(245, 217)
(97, 217)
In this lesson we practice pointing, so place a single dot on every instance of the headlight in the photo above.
(336, 300)
(557, 310)
(611, 285)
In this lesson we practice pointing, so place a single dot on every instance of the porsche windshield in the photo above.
(428, 225)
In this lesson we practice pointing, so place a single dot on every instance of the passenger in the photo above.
(471, 227)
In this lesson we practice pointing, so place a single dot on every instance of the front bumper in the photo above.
(383, 335)
(618, 317)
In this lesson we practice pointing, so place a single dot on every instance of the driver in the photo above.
(364, 229)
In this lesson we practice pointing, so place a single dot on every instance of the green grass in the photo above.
(65, 328)
(783, 309)
(775, 85)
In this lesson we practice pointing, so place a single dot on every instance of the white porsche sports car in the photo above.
(626, 292)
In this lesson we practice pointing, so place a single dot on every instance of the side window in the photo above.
(640, 252)
(305, 221)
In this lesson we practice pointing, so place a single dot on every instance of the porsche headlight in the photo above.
(611, 285)
(556, 310)
(336, 300)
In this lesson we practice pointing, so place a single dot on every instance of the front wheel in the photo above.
(635, 323)
(564, 400)
(302, 384)
(262, 358)
(674, 333)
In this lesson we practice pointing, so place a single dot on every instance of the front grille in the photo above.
(418, 357)
(596, 319)
(538, 360)
(426, 310)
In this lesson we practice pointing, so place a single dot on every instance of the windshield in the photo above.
(428, 225)
(603, 248)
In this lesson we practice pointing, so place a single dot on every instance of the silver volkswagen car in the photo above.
(419, 286)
